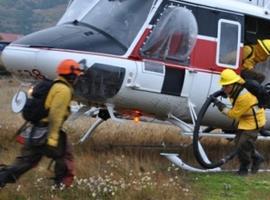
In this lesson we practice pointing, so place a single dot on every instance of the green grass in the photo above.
(230, 186)
(149, 185)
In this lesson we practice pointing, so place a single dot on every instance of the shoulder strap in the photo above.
(236, 93)
(60, 81)
(255, 117)
(55, 81)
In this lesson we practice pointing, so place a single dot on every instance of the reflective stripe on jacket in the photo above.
(242, 111)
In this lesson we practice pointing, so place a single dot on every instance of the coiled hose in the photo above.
(196, 136)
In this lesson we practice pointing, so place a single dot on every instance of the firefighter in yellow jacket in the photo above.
(250, 119)
(253, 54)
(57, 146)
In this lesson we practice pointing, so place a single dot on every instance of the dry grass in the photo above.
(105, 168)
(111, 165)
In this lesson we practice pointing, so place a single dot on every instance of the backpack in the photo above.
(34, 109)
(261, 92)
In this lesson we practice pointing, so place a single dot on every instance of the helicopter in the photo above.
(145, 60)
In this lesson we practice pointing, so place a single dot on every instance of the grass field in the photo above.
(112, 165)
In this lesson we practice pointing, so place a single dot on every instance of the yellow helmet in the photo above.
(228, 77)
(265, 44)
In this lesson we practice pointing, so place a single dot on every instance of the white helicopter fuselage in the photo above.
(150, 78)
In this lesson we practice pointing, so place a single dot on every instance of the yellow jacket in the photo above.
(242, 111)
(252, 54)
(57, 101)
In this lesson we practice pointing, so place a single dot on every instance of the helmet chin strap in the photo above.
(75, 80)
(233, 89)
(236, 89)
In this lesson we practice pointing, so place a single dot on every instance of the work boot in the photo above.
(257, 161)
(6, 177)
(243, 170)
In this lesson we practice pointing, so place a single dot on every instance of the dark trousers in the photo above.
(31, 155)
(245, 144)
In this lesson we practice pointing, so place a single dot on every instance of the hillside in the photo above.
(26, 16)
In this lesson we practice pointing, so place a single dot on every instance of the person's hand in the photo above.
(55, 146)
(53, 142)
(219, 104)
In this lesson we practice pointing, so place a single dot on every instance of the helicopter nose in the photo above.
(19, 60)
(2, 66)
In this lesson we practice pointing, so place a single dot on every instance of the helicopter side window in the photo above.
(173, 37)
(228, 45)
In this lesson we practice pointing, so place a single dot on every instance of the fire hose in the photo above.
(196, 136)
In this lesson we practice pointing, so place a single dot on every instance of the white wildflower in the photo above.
(123, 186)
(18, 188)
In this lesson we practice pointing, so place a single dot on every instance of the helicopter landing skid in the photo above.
(175, 159)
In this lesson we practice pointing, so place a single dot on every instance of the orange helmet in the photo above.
(68, 66)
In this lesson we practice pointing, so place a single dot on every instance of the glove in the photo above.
(53, 142)
(219, 104)
(223, 94)
(52, 150)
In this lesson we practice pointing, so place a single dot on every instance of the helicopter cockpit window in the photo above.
(173, 37)
(75, 9)
(121, 19)
(228, 45)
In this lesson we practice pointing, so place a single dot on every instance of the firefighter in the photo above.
(250, 119)
(56, 145)
(253, 54)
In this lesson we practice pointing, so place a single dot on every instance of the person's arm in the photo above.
(248, 61)
(61, 97)
(242, 104)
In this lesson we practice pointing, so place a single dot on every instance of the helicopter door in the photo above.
(171, 42)
(150, 76)
(173, 36)
(196, 86)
